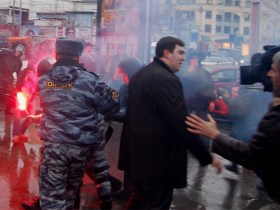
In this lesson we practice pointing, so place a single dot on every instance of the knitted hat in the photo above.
(44, 66)
(130, 66)
(20, 48)
(69, 46)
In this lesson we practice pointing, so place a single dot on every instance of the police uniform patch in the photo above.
(114, 94)
(51, 84)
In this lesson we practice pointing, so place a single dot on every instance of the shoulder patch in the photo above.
(114, 94)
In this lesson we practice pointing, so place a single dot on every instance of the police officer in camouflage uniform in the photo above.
(72, 127)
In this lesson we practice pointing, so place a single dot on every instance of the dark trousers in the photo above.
(148, 195)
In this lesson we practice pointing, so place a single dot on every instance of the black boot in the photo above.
(106, 205)
(115, 183)
(233, 168)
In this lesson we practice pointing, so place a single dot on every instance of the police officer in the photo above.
(74, 103)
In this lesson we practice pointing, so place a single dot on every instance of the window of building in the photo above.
(81, 19)
(209, 1)
(207, 28)
(208, 14)
(246, 31)
(219, 18)
(237, 3)
(218, 29)
(184, 17)
(227, 29)
(247, 17)
(227, 17)
(248, 3)
(185, 2)
(236, 18)
(235, 29)
(191, 15)
(228, 2)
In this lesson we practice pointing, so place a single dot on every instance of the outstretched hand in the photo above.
(199, 126)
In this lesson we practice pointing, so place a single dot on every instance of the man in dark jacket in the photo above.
(261, 153)
(74, 104)
(154, 142)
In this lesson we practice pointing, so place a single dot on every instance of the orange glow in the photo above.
(22, 101)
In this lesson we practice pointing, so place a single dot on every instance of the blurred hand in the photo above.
(199, 126)
(217, 163)
(35, 118)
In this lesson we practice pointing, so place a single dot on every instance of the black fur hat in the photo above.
(69, 46)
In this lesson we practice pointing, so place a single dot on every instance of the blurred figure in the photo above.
(88, 59)
(154, 142)
(26, 86)
(126, 69)
(245, 112)
(198, 87)
(11, 65)
(261, 153)
(29, 33)
(19, 50)
(110, 75)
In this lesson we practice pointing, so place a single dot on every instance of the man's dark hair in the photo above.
(167, 43)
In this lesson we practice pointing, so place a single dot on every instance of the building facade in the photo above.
(227, 23)
(49, 18)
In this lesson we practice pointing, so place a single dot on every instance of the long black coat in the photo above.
(154, 141)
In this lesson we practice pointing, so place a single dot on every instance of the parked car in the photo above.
(225, 78)
(244, 62)
(217, 60)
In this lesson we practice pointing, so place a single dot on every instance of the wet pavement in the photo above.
(19, 178)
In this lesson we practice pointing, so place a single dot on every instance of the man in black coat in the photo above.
(154, 142)
(261, 153)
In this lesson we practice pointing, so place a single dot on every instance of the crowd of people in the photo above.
(165, 115)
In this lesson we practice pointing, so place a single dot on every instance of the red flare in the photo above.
(22, 101)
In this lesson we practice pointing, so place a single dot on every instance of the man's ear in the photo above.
(166, 53)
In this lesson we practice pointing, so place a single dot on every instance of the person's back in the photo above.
(67, 100)
(74, 105)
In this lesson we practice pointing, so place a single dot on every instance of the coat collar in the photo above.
(68, 62)
(160, 62)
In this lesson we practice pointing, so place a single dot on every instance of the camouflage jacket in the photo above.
(74, 104)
